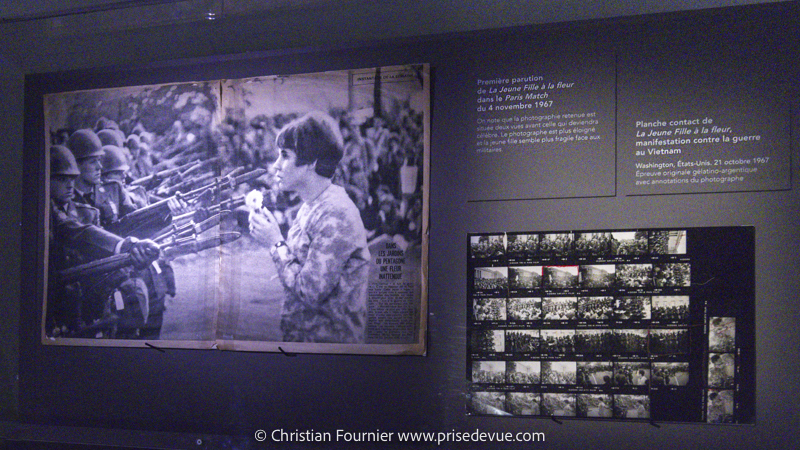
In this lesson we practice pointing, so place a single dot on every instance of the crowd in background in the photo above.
(525, 308)
(593, 341)
(522, 341)
(594, 373)
(669, 341)
(171, 127)
(489, 309)
(558, 372)
(487, 247)
(595, 308)
(515, 373)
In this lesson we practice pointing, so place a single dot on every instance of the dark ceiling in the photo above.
(54, 35)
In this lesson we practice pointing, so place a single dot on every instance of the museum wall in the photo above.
(11, 83)
(709, 63)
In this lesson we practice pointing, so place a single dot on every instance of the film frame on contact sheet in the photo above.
(590, 324)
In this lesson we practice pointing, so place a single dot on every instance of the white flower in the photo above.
(254, 200)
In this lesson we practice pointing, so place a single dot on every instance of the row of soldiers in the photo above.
(94, 215)
(82, 204)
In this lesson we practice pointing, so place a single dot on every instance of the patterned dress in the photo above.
(325, 272)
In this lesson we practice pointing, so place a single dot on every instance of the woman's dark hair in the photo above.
(313, 137)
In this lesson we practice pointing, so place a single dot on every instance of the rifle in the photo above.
(143, 221)
(154, 178)
(165, 191)
(229, 205)
(173, 250)
(167, 187)
(174, 232)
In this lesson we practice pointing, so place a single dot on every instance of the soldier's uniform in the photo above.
(74, 238)
(145, 292)
(325, 272)
(110, 198)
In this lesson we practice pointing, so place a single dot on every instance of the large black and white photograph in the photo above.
(276, 213)
(134, 187)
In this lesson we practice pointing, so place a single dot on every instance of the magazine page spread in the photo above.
(281, 213)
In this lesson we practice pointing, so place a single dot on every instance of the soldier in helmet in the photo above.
(111, 137)
(109, 198)
(115, 169)
(74, 237)
(158, 279)
(141, 162)
(104, 123)
(115, 138)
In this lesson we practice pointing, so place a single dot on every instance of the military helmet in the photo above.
(84, 143)
(133, 141)
(104, 123)
(62, 162)
(114, 159)
(110, 137)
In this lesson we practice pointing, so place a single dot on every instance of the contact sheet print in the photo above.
(612, 324)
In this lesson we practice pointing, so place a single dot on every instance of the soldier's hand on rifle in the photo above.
(177, 205)
(264, 228)
(142, 252)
